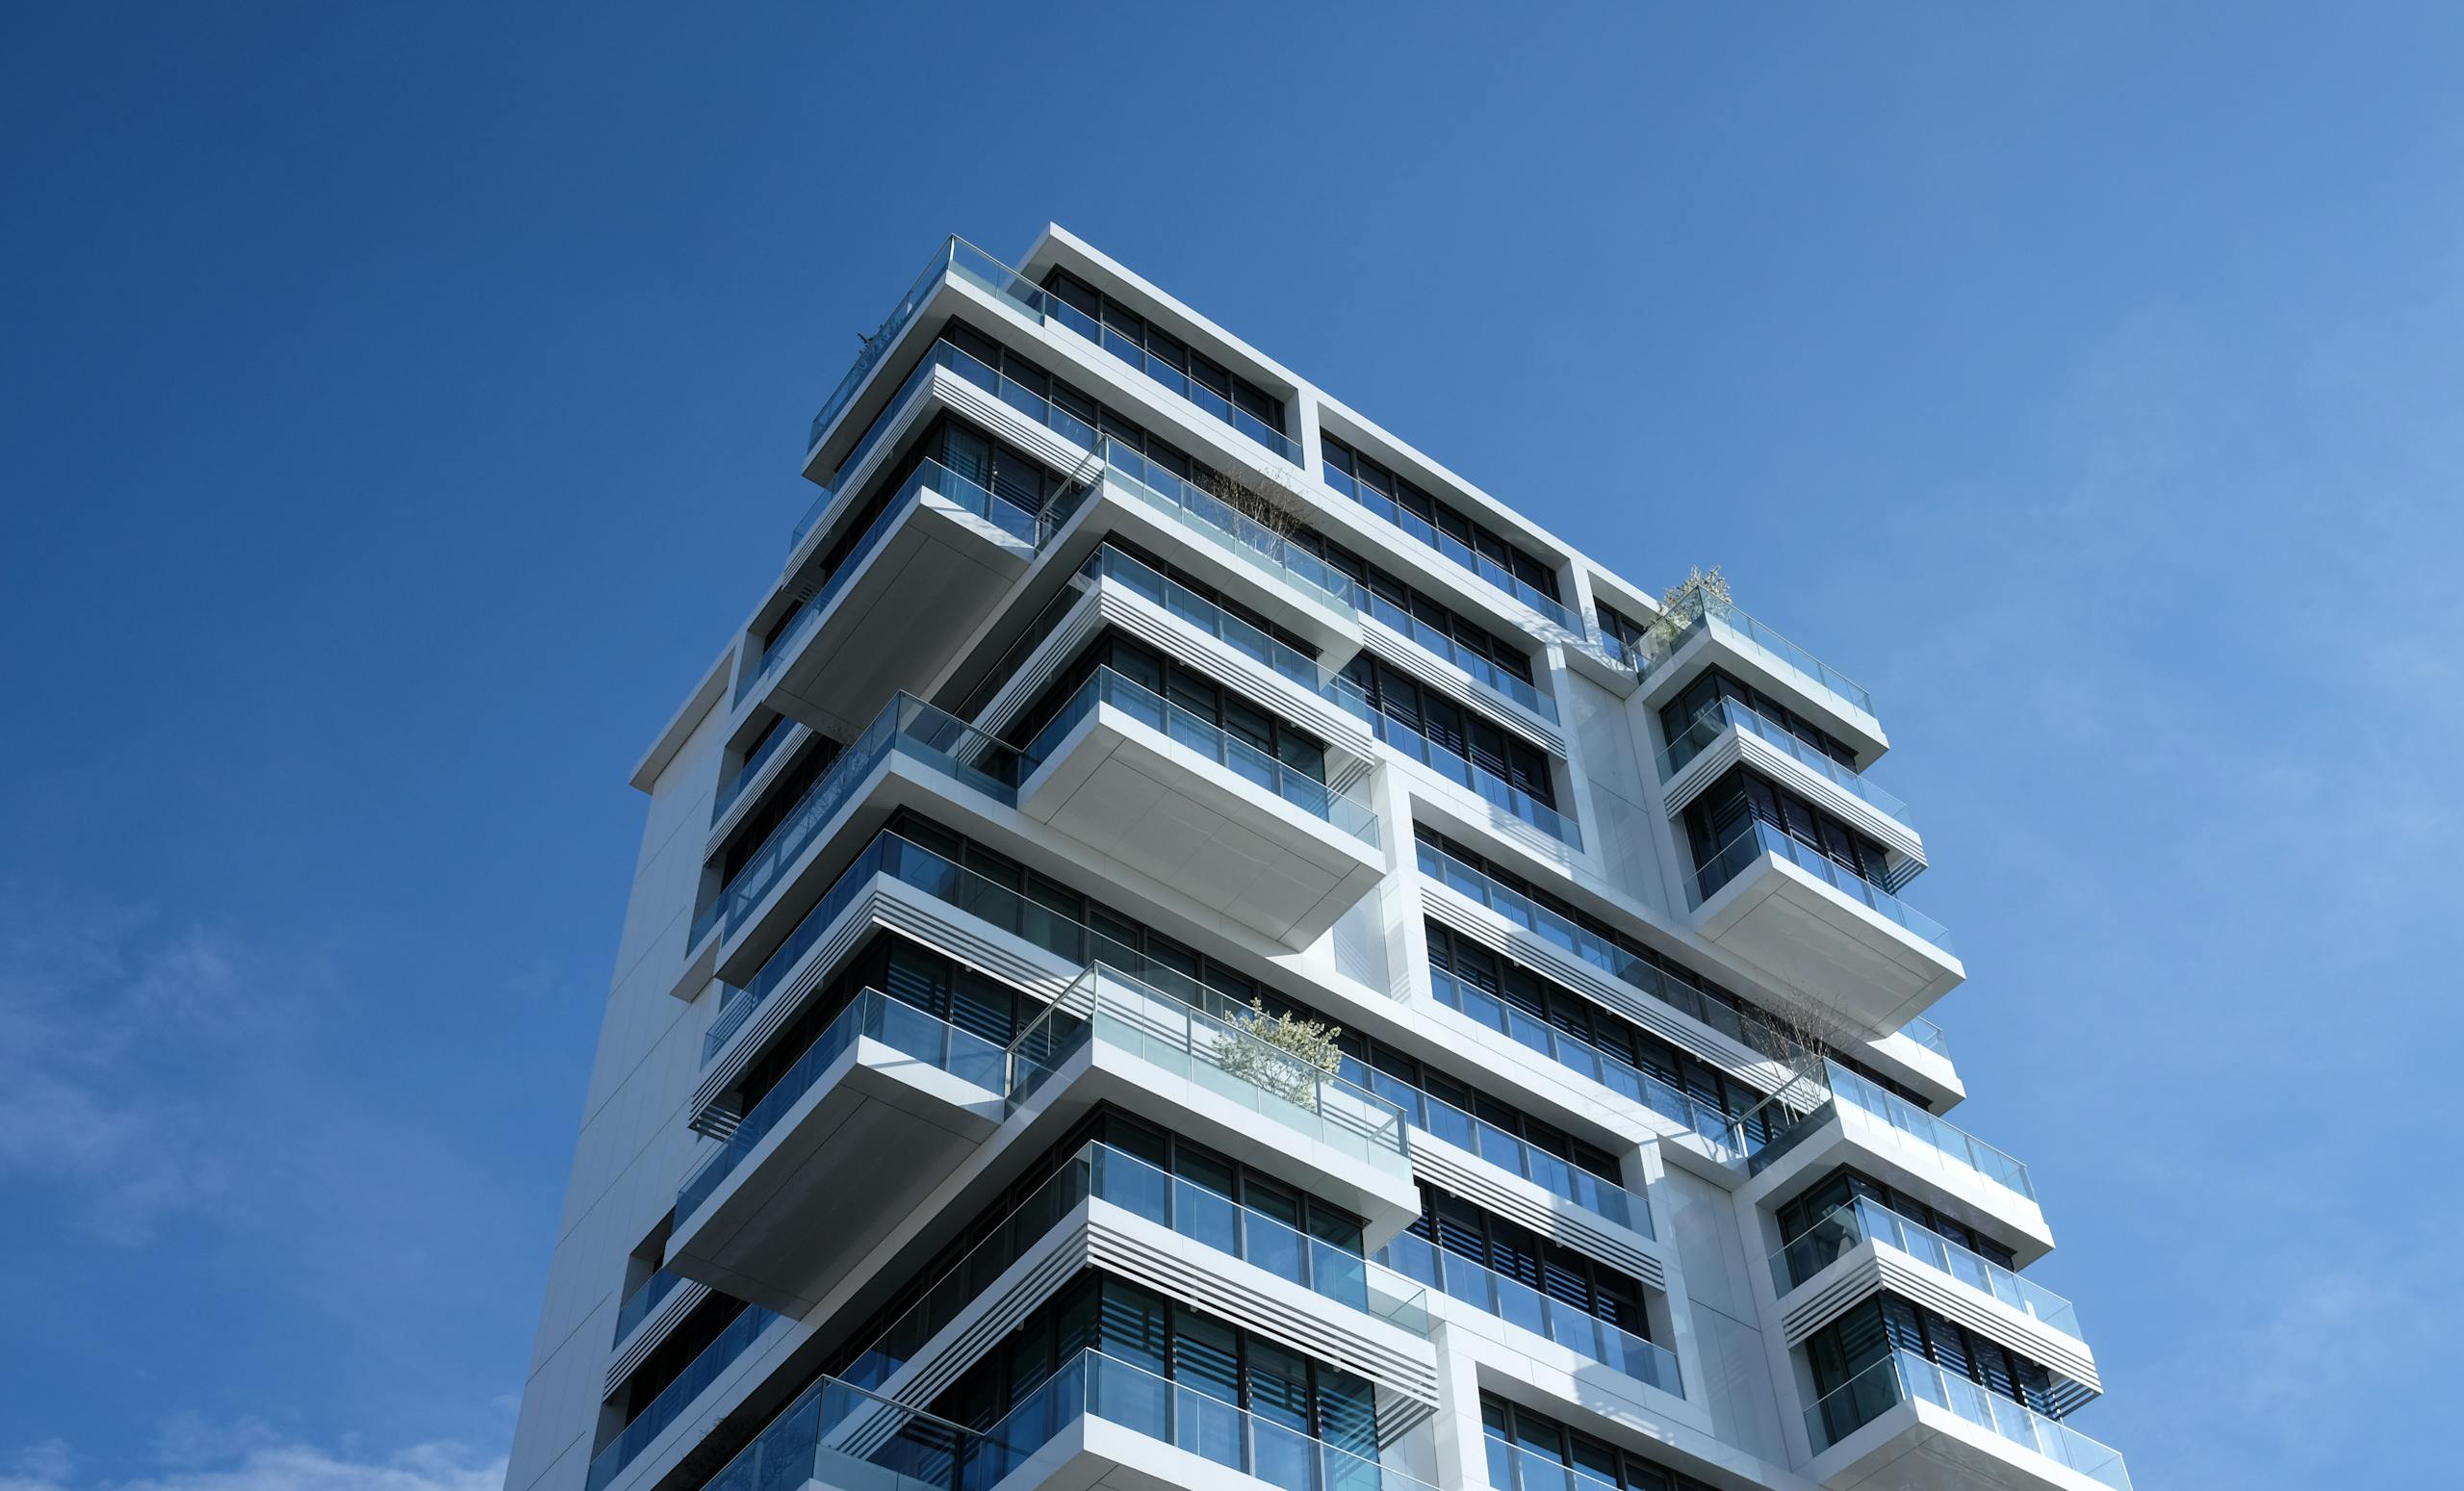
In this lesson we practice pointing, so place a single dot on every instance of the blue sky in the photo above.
(402, 403)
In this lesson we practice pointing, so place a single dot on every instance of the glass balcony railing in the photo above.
(1211, 518)
(679, 1395)
(1877, 1102)
(1110, 1008)
(1105, 1173)
(1581, 1057)
(871, 1015)
(1347, 813)
(1758, 838)
(1514, 1468)
(957, 257)
(838, 1434)
(1518, 1304)
(906, 726)
(771, 745)
(1187, 1417)
(1570, 936)
(929, 475)
(1843, 1227)
(1904, 1376)
(1491, 787)
(1484, 671)
(1745, 632)
(1722, 713)
(1464, 556)
(1927, 1034)
(1598, 1194)
(644, 1298)
(1243, 637)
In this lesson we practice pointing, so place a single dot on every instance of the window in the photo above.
(1170, 361)
(785, 792)
(1722, 810)
(1438, 524)
(1714, 685)
(1503, 994)
(1453, 1226)
(1181, 1346)
(1422, 617)
(1509, 759)
(1530, 1452)
(1845, 1185)
(1872, 1331)
(1186, 690)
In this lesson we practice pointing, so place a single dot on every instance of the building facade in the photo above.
(1182, 944)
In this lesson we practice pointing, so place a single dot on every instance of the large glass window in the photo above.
(1886, 1322)
(1740, 796)
(1378, 488)
(1415, 613)
(1430, 713)
(1714, 685)
(1531, 1451)
(1168, 359)
(1185, 688)
(1845, 1185)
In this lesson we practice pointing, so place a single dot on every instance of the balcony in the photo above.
(1843, 1229)
(1152, 785)
(1100, 1172)
(1581, 1057)
(1704, 633)
(1513, 804)
(1496, 576)
(1815, 926)
(1330, 600)
(879, 1109)
(661, 1413)
(837, 1434)
(906, 727)
(1217, 1057)
(1728, 733)
(1099, 1419)
(1904, 1424)
(1484, 672)
(1517, 1303)
(1844, 1117)
(1288, 663)
(925, 572)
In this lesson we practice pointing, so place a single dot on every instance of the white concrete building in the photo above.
(1119, 685)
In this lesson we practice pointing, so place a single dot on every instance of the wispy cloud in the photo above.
(252, 1461)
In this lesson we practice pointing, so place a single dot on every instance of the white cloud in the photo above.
(278, 1466)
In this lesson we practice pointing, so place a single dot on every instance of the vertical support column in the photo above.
(1462, 1450)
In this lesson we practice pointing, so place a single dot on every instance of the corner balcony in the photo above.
(1727, 733)
(879, 1109)
(1146, 782)
(1786, 908)
(1119, 489)
(1709, 635)
(1844, 1118)
(1858, 1249)
(924, 573)
(1904, 1424)
(1105, 1206)
(1111, 1035)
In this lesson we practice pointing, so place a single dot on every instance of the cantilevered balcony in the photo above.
(1841, 1118)
(1520, 1304)
(879, 1108)
(1102, 1420)
(1134, 776)
(1862, 1248)
(1728, 733)
(1814, 925)
(1904, 1424)
(914, 583)
(1706, 634)
(906, 728)
(1131, 1198)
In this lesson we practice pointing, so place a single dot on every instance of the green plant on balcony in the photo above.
(1285, 1056)
(1700, 593)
